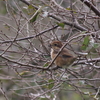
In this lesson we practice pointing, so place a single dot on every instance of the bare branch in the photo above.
(30, 37)
(91, 6)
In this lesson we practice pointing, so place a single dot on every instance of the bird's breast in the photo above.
(52, 54)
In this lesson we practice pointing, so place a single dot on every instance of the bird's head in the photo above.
(56, 45)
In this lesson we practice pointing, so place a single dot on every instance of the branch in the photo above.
(22, 64)
(24, 1)
(59, 19)
(30, 37)
(91, 6)
(88, 62)
(68, 23)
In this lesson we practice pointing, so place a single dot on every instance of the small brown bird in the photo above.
(65, 58)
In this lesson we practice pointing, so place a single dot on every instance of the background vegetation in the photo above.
(26, 29)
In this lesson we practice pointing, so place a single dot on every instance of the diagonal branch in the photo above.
(91, 6)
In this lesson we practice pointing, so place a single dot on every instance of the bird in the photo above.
(65, 58)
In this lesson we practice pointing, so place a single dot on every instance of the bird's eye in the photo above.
(55, 45)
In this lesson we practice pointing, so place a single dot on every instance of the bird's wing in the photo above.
(66, 56)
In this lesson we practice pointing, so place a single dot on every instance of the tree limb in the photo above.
(91, 6)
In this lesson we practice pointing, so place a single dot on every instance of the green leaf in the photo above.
(85, 43)
(24, 73)
(71, 10)
(46, 64)
(30, 7)
(7, 26)
(61, 24)
(31, 10)
(51, 83)
(68, 9)
(34, 18)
